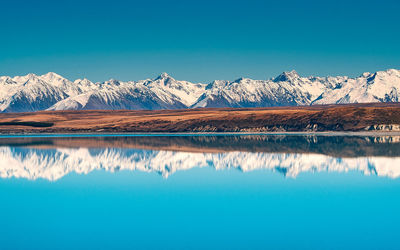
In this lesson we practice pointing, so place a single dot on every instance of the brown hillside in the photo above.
(354, 117)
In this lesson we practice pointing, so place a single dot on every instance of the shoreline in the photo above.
(161, 134)
(334, 144)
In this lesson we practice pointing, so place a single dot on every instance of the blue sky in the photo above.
(198, 40)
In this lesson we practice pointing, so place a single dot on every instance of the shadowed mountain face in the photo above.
(54, 157)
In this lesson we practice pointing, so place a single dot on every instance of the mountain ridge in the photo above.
(51, 91)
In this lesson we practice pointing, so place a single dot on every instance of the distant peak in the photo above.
(393, 71)
(241, 79)
(291, 73)
(113, 81)
(287, 76)
(84, 81)
(163, 76)
(52, 75)
(366, 74)
(383, 73)
(30, 75)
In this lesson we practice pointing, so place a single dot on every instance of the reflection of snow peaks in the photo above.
(52, 164)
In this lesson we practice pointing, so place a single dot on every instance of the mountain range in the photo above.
(54, 92)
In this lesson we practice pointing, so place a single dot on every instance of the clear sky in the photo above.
(198, 40)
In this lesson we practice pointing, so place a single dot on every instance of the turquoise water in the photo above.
(225, 192)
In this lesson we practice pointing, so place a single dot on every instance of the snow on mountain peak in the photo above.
(393, 71)
(163, 75)
(33, 93)
(25, 78)
(241, 79)
(366, 74)
(51, 75)
(287, 76)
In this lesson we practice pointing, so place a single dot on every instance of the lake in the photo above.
(200, 192)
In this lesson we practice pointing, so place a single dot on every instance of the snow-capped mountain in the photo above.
(54, 92)
(29, 93)
(288, 89)
(163, 92)
(53, 164)
(382, 86)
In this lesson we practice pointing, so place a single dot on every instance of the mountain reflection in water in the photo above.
(54, 157)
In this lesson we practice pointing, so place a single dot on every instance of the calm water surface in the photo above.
(200, 192)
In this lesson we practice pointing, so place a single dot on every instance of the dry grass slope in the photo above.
(353, 117)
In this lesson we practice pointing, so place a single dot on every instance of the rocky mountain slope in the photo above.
(54, 92)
